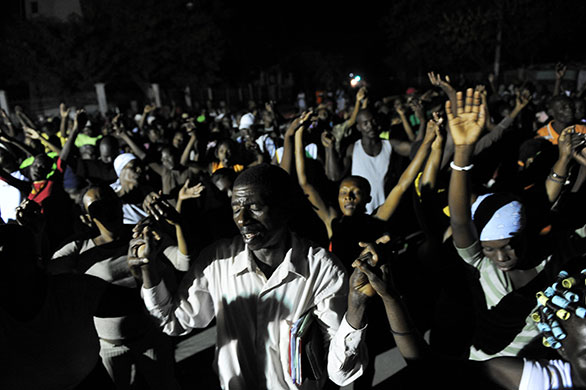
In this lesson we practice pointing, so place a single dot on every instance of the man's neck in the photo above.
(559, 126)
(268, 259)
(372, 146)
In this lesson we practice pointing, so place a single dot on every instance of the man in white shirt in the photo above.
(256, 286)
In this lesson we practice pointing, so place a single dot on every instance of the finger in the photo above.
(469, 100)
(482, 115)
(475, 102)
(137, 262)
(449, 112)
(459, 103)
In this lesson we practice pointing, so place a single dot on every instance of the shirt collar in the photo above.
(295, 260)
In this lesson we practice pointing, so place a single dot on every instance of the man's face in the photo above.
(40, 168)
(261, 225)
(563, 111)
(167, 158)
(366, 124)
(224, 153)
(107, 152)
(131, 175)
(88, 152)
(178, 140)
(351, 197)
(503, 253)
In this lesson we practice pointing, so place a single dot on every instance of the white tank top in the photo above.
(372, 169)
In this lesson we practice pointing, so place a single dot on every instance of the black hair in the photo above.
(362, 182)
(224, 173)
(275, 182)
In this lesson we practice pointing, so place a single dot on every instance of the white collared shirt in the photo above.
(254, 315)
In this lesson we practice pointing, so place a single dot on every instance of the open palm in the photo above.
(468, 120)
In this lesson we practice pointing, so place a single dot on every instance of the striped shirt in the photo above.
(496, 284)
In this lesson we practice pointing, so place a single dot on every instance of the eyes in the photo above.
(253, 207)
(505, 248)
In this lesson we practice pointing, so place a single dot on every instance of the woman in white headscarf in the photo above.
(488, 235)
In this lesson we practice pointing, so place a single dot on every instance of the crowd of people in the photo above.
(369, 219)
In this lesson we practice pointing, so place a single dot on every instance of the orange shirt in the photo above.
(549, 133)
(218, 165)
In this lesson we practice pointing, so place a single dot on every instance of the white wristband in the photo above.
(461, 169)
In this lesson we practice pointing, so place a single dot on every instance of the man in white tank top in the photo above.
(368, 157)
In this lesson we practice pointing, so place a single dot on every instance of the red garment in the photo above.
(42, 189)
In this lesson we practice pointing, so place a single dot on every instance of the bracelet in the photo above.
(461, 169)
(552, 178)
(410, 331)
(556, 176)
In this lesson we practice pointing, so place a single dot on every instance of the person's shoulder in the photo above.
(225, 248)
(318, 257)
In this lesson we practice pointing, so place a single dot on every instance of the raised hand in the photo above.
(361, 94)
(467, 121)
(327, 140)
(143, 247)
(64, 111)
(32, 133)
(438, 142)
(522, 99)
(436, 80)
(433, 128)
(148, 109)
(565, 142)
(560, 70)
(5, 117)
(399, 107)
(189, 192)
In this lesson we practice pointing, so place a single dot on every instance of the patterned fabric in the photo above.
(496, 284)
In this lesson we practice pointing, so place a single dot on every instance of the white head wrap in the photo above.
(121, 161)
(504, 223)
(246, 121)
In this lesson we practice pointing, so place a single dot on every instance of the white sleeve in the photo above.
(347, 353)
(556, 374)
(191, 307)
(348, 356)
(179, 260)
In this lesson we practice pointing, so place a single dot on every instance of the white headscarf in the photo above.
(506, 222)
(121, 161)
(246, 121)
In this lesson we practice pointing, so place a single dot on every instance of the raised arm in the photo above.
(376, 279)
(415, 105)
(559, 172)
(64, 114)
(394, 198)
(560, 72)
(192, 140)
(289, 145)
(34, 134)
(145, 113)
(466, 122)
(78, 124)
(120, 132)
(403, 116)
(429, 176)
(7, 123)
(360, 97)
(325, 213)
(436, 80)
